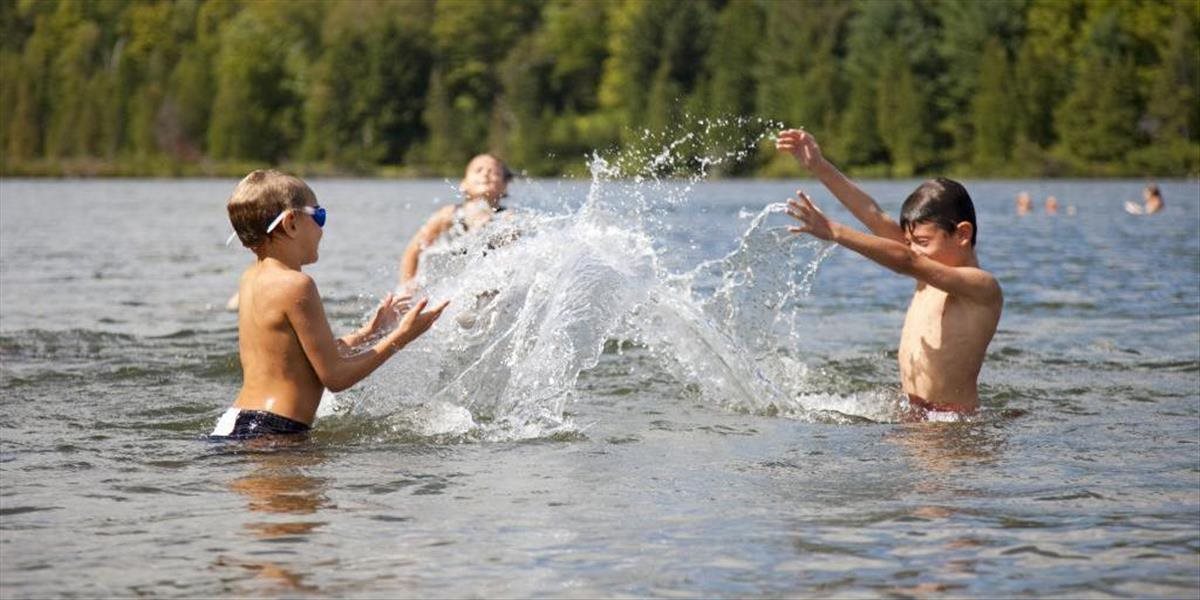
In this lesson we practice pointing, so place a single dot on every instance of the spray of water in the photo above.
(536, 296)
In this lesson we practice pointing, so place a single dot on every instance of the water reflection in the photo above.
(938, 449)
(279, 488)
(942, 456)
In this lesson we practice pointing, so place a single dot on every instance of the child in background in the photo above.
(1024, 203)
(484, 184)
(956, 305)
(1154, 202)
(1051, 205)
(288, 352)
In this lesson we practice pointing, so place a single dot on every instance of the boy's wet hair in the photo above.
(942, 202)
(259, 198)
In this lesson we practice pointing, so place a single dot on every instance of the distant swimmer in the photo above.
(1153, 199)
(1024, 203)
(956, 306)
(1051, 205)
(288, 354)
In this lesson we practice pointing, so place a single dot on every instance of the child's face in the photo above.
(948, 248)
(309, 233)
(484, 179)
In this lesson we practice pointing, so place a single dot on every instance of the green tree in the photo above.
(260, 70)
(1043, 67)
(654, 48)
(905, 27)
(992, 119)
(965, 32)
(730, 63)
(471, 41)
(903, 117)
(363, 107)
(1098, 119)
(574, 37)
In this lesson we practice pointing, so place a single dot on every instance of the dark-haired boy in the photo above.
(956, 306)
(287, 349)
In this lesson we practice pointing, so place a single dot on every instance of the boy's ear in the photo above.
(289, 223)
(963, 231)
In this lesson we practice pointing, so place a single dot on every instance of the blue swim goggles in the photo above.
(317, 212)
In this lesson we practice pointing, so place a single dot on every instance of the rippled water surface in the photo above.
(660, 394)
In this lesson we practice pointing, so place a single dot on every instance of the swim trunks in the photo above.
(241, 424)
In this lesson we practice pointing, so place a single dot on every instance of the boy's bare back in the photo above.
(277, 374)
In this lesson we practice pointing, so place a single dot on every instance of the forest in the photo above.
(408, 88)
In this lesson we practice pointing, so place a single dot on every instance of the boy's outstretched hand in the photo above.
(802, 145)
(815, 221)
(417, 321)
(387, 314)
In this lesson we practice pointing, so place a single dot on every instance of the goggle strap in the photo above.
(276, 222)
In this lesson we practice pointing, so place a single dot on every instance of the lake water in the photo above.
(668, 397)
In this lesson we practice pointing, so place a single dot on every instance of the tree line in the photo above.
(891, 87)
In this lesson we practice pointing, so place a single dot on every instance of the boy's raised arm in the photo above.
(804, 148)
(968, 282)
(336, 372)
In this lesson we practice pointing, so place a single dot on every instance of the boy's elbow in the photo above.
(337, 385)
(335, 382)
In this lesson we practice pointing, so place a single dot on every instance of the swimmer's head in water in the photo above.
(260, 198)
(486, 178)
(941, 202)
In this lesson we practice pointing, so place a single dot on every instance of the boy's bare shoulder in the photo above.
(279, 286)
(986, 285)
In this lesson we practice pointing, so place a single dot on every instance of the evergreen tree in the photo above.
(965, 32)
(1098, 120)
(1043, 67)
(992, 118)
(732, 85)
(903, 118)
(904, 27)
(471, 41)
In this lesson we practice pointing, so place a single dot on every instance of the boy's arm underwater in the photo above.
(804, 148)
(337, 372)
(971, 283)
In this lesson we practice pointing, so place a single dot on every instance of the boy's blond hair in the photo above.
(259, 198)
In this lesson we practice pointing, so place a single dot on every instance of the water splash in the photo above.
(536, 296)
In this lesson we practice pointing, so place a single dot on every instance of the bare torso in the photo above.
(277, 375)
(942, 348)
